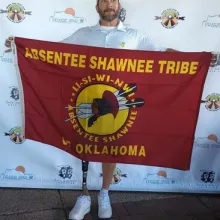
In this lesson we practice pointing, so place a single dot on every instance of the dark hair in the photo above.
(98, 2)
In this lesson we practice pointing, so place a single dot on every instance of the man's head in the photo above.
(108, 9)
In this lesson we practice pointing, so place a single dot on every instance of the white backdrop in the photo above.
(33, 165)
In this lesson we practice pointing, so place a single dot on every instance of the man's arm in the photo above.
(76, 37)
(69, 40)
(147, 44)
(213, 60)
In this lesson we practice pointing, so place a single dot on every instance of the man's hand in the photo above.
(8, 44)
(171, 50)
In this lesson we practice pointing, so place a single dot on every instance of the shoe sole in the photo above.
(102, 217)
(105, 217)
(86, 212)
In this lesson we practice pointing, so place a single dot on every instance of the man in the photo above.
(108, 33)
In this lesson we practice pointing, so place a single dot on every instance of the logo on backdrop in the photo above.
(170, 18)
(208, 177)
(15, 12)
(16, 135)
(14, 97)
(122, 14)
(66, 172)
(117, 176)
(18, 173)
(6, 56)
(212, 21)
(67, 16)
(207, 180)
(161, 177)
(66, 176)
(212, 141)
(215, 60)
(212, 102)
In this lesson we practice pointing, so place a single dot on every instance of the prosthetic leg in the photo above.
(85, 165)
(78, 213)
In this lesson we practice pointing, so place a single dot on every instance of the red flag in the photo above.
(108, 105)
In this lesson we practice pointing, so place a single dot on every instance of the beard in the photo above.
(110, 17)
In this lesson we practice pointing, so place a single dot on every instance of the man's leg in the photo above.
(105, 210)
(108, 170)
(83, 203)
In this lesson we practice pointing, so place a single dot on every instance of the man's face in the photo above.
(108, 9)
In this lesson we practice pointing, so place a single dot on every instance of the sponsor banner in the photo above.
(30, 164)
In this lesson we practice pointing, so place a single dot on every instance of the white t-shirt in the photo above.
(119, 37)
(108, 29)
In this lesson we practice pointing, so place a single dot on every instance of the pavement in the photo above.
(38, 204)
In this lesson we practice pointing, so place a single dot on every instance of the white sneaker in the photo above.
(81, 208)
(104, 206)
